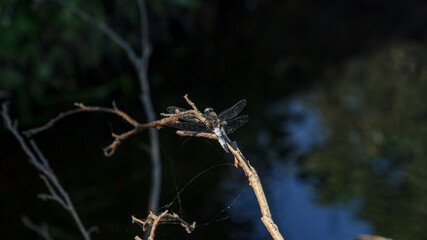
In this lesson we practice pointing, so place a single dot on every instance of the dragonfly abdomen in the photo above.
(221, 139)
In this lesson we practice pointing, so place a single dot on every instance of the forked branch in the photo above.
(40, 230)
(55, 190)
(118, 138)
(250, 171)
(152, 222)
(140, 63)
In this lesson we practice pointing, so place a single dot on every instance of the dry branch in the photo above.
(56, 191)
(255, 183)
(249, 171)
(42, 231)
(137, 127)
(82, 108)
(118, 138)
(152, 221)
(140, 63)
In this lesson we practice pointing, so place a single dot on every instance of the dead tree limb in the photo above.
(116, 38)
(56, 192)
(250, 172)
(255, 183)
(152, 221)
(40, 230)
(118, 138)
(140, 64)
(241, 161)
(81, 108)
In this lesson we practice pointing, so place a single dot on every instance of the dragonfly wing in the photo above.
(232, 111)
(189, 126)
(235, 124)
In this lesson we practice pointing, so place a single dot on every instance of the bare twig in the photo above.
(145, 98)
(81, 108)
(145, 33)
(53, 195)
(104, 27)
(197, 134)
(152, 221)
(109, 150)
(191, 103)
(118, 138)
(249, 171)
(36, 158)
(140, 64)
(255, 183)
(42, 231)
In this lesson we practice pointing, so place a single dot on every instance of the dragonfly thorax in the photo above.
(212, 119)
(222, 124)
(208, 110)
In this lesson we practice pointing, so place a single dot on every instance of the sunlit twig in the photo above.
(249, 171)
(152, 221)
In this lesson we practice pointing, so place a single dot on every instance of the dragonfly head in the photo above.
(208, 110)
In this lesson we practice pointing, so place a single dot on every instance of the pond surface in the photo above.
(293, 201)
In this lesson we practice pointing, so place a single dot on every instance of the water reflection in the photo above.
(291, 200)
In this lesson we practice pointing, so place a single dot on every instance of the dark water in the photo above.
(293, 201)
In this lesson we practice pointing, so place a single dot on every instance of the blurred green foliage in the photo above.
(376, 113)
(45, 51)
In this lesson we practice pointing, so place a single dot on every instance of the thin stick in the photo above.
(42, 231)
(250, 171)
(255, 183)
(145, 98)
(104, 27)
(145, 33)
(197, 134)
(152, 222)
(56, 191)
(140, 64)
(118, 138)
(82, 108)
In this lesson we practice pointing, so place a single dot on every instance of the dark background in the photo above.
(362, 65)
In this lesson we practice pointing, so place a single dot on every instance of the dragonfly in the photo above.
(221, 124)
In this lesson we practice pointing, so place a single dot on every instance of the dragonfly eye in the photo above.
(208, 110)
